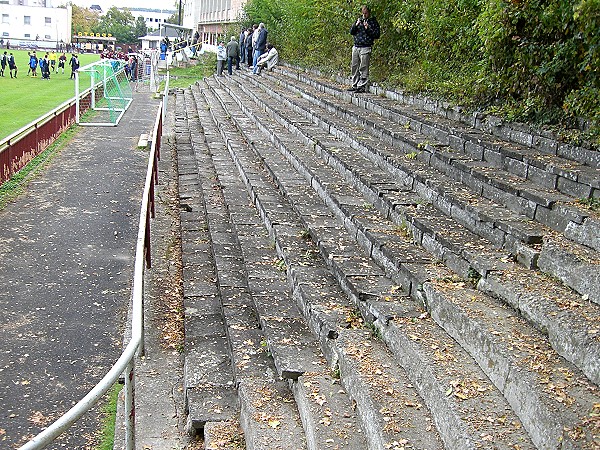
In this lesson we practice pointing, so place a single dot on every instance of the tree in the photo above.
(84, 20)
(140, 27)
(119, 23)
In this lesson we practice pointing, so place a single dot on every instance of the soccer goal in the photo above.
(105, 99)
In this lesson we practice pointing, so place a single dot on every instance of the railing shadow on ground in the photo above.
(125, 365)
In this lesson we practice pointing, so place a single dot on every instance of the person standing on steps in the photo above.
(365, 30)
(221, 58)
(233, 53)
(260, 45)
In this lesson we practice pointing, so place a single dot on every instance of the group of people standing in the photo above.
(255, 50)
(51, 62)
(252, 49)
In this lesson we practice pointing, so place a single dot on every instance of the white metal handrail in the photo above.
(135, 347)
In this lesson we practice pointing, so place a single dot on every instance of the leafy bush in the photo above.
(534, 60)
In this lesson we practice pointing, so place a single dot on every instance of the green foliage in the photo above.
(120, 23)
(529, 60)
(140, 27)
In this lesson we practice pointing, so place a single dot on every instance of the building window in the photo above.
(48, 21)
(27, 36)
(5, 18)
(47, 37)
(27, 20)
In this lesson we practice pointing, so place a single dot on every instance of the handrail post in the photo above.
(130, 405)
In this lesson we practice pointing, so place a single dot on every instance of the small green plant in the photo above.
(109, 413)
(592, 204)
(375, 332)
(412, 155)
(403, 229)
(279, 264)
(335, 373)
(304, 234)
(473, 276)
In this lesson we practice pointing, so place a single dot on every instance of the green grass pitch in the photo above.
(24, 99)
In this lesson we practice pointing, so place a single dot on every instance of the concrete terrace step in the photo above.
(372, 412)
(529, 385)
(527, 197)
(355, 271)
(463, 254)
(283, 328)
(451, 123)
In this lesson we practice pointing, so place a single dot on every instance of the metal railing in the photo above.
(135, 348)
(19, 148)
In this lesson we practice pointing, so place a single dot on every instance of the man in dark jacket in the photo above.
(233, 53)
(260, 46)
(365, 30)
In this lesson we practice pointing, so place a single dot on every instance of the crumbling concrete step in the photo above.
(325, 415)
(570, 322)
(577, 267)
(208, 378)
(323, 431)
(497, 224)
(269, 416)
(464, 250)
(360, 268)
(548, 394)
(223, 435)
(530, 424)
(516, 148)
(533, 201)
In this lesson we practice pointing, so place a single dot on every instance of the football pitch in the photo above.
(24, 99)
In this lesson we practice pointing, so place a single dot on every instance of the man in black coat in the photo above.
(365, 30)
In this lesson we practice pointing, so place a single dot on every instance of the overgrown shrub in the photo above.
(535, 60)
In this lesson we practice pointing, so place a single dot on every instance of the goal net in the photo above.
(102, 93)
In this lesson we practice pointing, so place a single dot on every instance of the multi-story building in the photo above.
(209, 17)
(152, 17)
(34, 23)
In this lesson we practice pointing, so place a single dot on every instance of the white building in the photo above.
(34, 23)
(208, 17)
(152, 17)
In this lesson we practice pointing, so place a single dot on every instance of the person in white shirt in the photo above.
(269, 59)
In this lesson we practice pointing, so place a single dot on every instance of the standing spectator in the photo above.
(221, 58)
(242, 57)
(133, 68)
(365, 30)
(12, 66)
(233, 52)
(62, 59)
(74, 63)
(3, 63)
(249, 49)
(260, 45)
